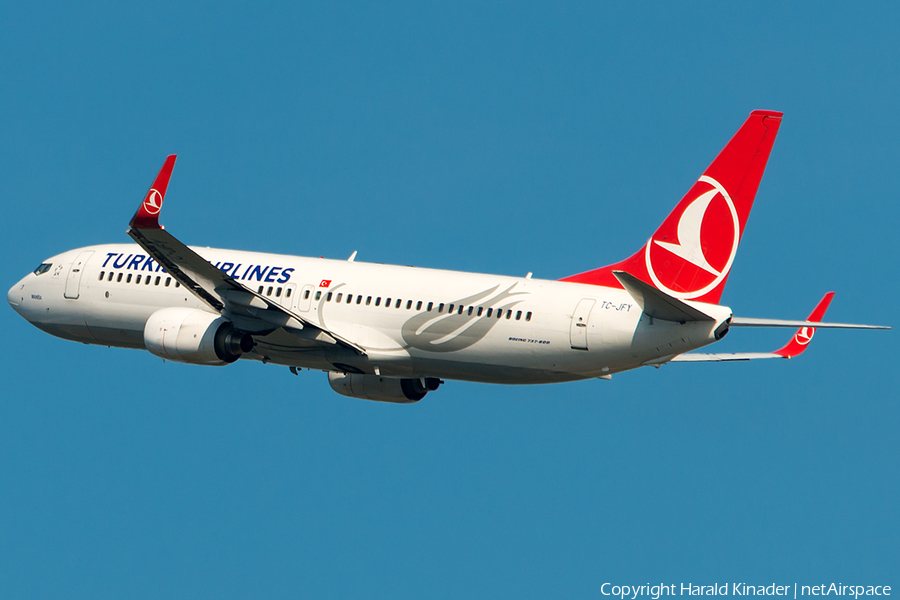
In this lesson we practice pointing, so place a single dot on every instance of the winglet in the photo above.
(804, 335)
(147, 215)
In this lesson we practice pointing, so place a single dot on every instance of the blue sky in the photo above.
(502, 138)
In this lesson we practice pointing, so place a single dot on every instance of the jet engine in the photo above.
(194, 336)
(382, 389)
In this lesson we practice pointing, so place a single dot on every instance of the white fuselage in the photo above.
(510, 330)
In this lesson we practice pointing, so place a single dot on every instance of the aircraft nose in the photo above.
(16, 295)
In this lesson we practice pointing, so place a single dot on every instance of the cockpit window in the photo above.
(43, 268)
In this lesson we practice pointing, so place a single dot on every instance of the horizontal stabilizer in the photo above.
(748, 322)
(657, 304)
(724, 356)
(795, 347)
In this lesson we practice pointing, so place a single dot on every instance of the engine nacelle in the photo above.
(382, 389)
(194, 336)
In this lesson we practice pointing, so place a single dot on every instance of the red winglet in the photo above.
(147, 215)
(804, 335)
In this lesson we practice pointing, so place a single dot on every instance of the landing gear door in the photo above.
(305, 299)
(73, 281)
(579, 328)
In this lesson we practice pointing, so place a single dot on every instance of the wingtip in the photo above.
(147, 215)
(804, 335)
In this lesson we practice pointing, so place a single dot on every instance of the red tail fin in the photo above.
(691, 253)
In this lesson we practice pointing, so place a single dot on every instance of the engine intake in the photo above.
(194, 336)
(382, 389)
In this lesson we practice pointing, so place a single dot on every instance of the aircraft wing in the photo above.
(217, 289)
(796, 346)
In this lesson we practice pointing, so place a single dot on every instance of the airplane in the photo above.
(394, 333)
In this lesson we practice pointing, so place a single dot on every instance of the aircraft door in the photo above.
(73, 281)
(305, 299)
(578, 330)
(289, 295)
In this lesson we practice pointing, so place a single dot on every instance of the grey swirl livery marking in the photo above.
(435, 332)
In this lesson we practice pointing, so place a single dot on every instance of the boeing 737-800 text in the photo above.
(393, 333)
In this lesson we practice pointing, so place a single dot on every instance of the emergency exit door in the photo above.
(289, 295)
(305, 299)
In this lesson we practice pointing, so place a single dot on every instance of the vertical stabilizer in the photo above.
(691, 253)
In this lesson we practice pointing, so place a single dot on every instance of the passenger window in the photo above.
(419, 305)
(378, 301)
(339, 296)
(368, 300)
(461, 307)
(128, 279)
(480, 310)
(305, 294)
(387, 303)
(110, 276)
(450, 309)
(528, 316)
(269, 292)
(147, 281)
(102, 275)
(499, 313)
(409, 304)
(471, 308)
(278, 292)
(518, 315)
(359, 299)
(318, 295)
(119, 278)
(157, 280)
(137, 279)
(328, 297)
(260, 290)
(430, 305)
(349, 298)
(398, 303)
(168, 281)
(490, 310)
(177, 284)
(508, 314)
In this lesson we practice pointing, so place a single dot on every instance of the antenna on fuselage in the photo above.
(352, 257)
